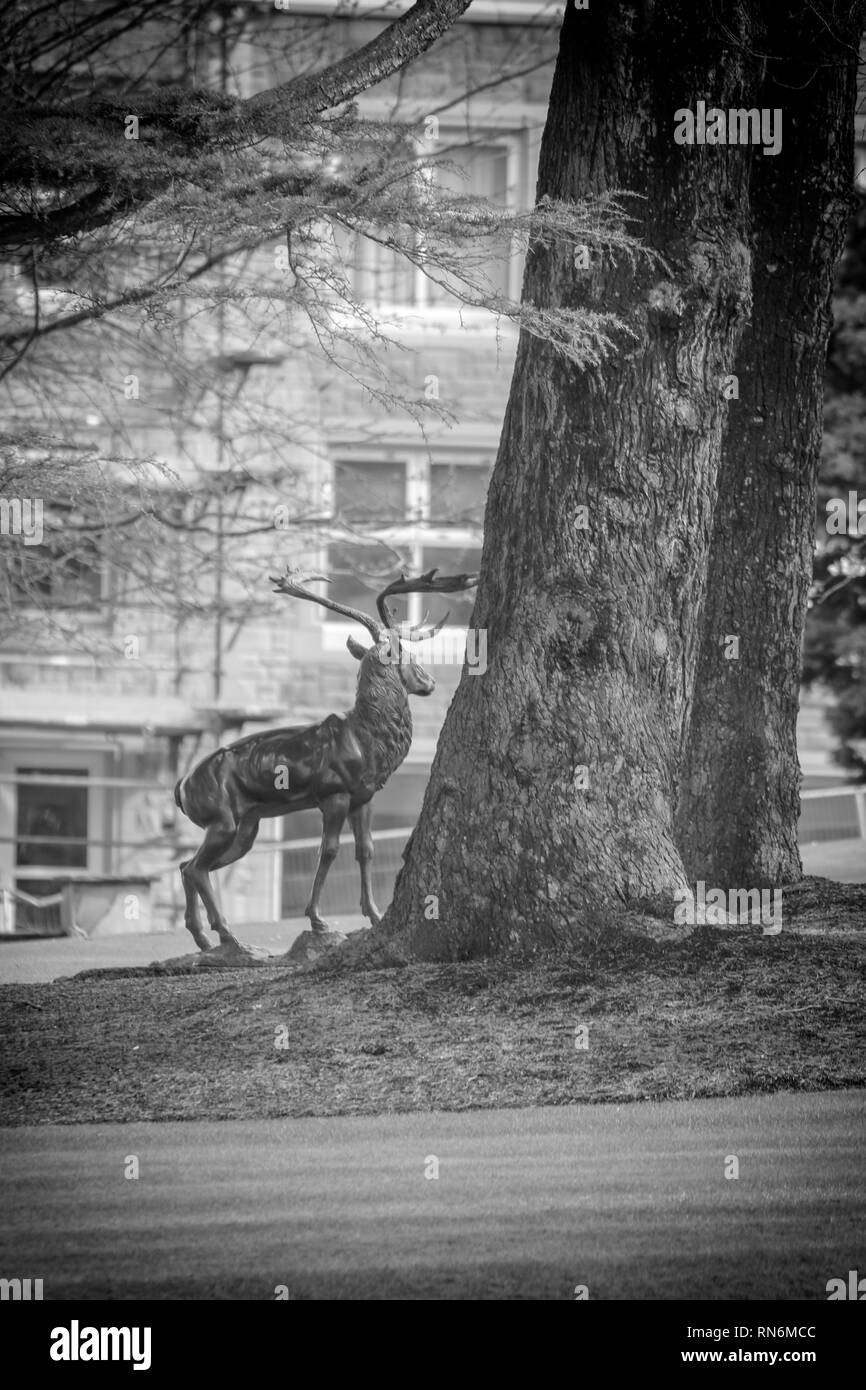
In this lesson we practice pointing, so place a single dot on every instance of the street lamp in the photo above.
(243, 363)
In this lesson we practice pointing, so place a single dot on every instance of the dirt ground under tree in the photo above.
(636, 1014)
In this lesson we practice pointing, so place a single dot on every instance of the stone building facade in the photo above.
(91, 742)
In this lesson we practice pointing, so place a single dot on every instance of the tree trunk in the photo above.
(590, 632)
(739, 804)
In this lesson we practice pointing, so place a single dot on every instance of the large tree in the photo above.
(554, 789)
(739, 804)
(835, 644)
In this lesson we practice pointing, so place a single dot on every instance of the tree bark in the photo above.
(590, 632)
(739, 802)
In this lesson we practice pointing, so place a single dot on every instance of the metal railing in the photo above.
(827, 813)
(342, 890)
(291, 867)
(25, 915)
(833, 813)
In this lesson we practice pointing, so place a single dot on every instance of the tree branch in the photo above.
(128, 298)
(275, 113)
(94, 209)
(279, 110)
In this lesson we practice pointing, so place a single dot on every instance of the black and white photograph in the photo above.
(432, 670)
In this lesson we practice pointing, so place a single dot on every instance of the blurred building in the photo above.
(90, 745)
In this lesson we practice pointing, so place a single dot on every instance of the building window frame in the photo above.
(414, 534)
(521, 143)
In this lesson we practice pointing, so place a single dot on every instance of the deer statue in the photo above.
(337, 765)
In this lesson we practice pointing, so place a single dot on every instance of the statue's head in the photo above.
(389, 658)
(389, 655)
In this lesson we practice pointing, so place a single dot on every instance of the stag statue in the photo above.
(337, 765)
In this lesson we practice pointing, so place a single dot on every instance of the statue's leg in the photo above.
(192, 920)
(219, 842)
(362, 820)
(245, 838)
(334, 812)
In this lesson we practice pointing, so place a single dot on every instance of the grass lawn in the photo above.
(630, 1200)
(723, 1012)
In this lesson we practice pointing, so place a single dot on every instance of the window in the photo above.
(389, 494)
(376, 273)
(372, 492)
(51, 824)
(480, 171)
(358, 573)
(497, 170)
(54, 810)
(453, 559)
(458, 493)
(52, 572)
(438, 525)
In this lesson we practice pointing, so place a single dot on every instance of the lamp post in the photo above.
(241, 362)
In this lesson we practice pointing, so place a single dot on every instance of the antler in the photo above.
(422, 584)
(292, 583)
